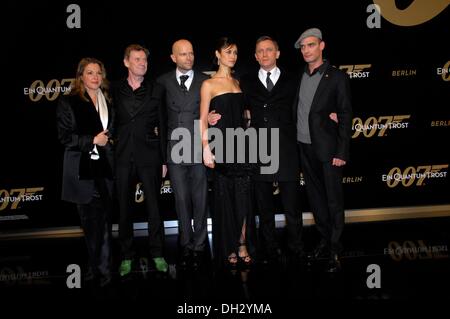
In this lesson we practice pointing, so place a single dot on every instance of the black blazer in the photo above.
(78, 123)
(333, 95)
(181, 109)
(274, 110)
(138, 131)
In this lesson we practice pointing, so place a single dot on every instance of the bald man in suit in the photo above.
(181, 93)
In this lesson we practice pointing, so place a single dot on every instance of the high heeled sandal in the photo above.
(246, 259)
(232, 259)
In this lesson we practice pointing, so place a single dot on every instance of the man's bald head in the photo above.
(180, 44)
(183, 55)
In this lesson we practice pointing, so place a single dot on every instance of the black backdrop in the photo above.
(400, 78)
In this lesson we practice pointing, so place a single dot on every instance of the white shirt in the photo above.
(274, 76)
(188, 82)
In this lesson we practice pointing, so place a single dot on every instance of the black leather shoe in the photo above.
(321, 251)
(299, 258)
(197, 259)
(273, 257)
(334, 263)
(185, 259)
(105, 280)
(89, 276)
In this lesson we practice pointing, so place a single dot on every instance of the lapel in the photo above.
(299, 85)
(279, 83)
(275, 88)
(257, 85)
(173, 82)
(196, 83)
(263, 90)
(93, 114)
(110, 115)
(178, 91)
(322, 85)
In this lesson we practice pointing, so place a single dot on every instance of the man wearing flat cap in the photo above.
(323, 142)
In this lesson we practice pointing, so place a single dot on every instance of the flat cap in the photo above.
(313, 32)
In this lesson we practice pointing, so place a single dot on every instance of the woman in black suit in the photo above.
(84, 119)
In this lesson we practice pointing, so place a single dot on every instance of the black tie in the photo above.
(183, 79)
(269, 82)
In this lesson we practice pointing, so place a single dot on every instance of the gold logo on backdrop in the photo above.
(440, 123)
(445, 72)
(166, 187)
(51, 90)
(19, 195)
(381, 124)
(418, 12)
(356, 71)
(413, 175)
(139, 194)
(404, 73)
(352, 179)
(413, 250)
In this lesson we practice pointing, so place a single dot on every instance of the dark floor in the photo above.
(417, 267)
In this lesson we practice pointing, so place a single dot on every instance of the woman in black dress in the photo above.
(233, 220)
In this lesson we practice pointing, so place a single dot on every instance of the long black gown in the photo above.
(232, 184)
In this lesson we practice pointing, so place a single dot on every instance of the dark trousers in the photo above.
(150, 176)
(325, 193)
(289, 193)
(190, 188)
(95, 222)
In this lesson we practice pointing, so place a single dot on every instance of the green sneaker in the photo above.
(161, 264)
(125, 267)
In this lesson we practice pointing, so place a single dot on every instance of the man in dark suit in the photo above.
(270, 93)
(323, 143)
(138, 154)
(187, 173)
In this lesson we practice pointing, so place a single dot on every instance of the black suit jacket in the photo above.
(330, 139)
(78, 123)
(274, 110)
(181, 110)
(139, 131)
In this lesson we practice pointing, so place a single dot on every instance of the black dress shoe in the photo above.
(334, 263)
(321, 251)
(197, 259)
(298, 257)
(105, 280)
(90, 276)
(272, 257)
(185, 260)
